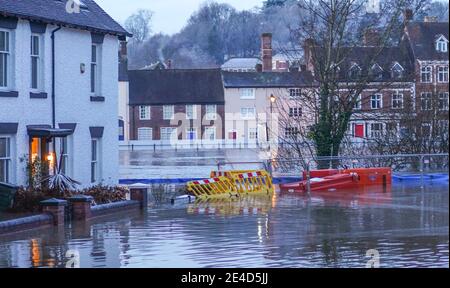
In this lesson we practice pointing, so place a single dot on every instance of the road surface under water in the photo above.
(408, 225)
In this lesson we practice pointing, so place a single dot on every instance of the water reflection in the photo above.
(408, 225)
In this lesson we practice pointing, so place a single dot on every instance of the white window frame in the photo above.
(291, 132)
(6, 160)
(38, 57)
(168, 112)
(443, 101)
(247, 93)
(397, 97)
(148, 131)
(295, 112)
(172, 135)
(211, 112)
(354, 67)
(378, 76)
(252, 133)
(441, 44)
(208, 135)
(442, 75)
(95, 161)
(295, 93)
(7, 55)
(193, 111)
(145, 112)
(245, 115)
(96, 71)
(378, 99)
(426, 101)
(397, 67)
(376, 133)
(424, 71)
(66, 156)
(358, 103)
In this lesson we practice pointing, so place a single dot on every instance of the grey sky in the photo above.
(170, 15)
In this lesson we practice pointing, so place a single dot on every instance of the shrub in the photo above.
(28, 199)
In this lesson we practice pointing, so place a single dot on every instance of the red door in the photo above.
(359, 130)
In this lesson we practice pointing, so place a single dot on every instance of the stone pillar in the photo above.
(81, 207)
(139, 192)
(56, 208)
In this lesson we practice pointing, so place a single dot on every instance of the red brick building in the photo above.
(174, 104)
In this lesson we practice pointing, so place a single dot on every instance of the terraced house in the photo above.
(58, 90)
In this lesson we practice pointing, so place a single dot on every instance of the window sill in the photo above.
(38, 95)
(97, 99)
(9, 94)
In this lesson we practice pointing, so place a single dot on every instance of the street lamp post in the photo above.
(272, 101)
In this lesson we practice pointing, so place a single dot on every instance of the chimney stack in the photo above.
(123, 50)
(408, 15)
(371, 37)
(259, 68)
(266, 52)
(308, 45)
(430, 19)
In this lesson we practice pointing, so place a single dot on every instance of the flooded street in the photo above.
(408, 226)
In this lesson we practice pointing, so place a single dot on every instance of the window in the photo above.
(145, 113)
(426, 129)
(248, 113)
(95, 70)
(442, 74)
(95, 170)
(291, 132)
(5, 159)
(168, 133)
(4, 58)
(191, 133)
(354, 72)
(443, 101)
(145, 133)
(358, 102)
(168, 112)
(253, 133)
(210, 133)
(376, 72)
(425, 74)
(376, 130)
(426, 101)
(376, 101)
(397, 71)
(295, 92)
(295, 112)
(247, 93)
(211, 112)
(191, 112)
(442, 44)
(64, 150)
(35, 61)
(397, 100)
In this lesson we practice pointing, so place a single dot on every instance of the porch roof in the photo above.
(43, 131)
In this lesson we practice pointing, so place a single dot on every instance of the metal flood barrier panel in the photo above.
(232, 184)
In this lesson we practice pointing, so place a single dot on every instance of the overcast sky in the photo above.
(170, 15)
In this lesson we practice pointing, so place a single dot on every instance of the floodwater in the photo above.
(408, 226)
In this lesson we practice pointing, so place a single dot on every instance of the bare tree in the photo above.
(333, 31)
(139, 25)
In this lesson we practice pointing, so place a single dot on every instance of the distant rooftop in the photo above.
(241, 63)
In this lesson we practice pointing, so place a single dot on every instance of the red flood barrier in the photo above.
(333, 179)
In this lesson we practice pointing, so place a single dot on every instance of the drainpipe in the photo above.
(53, 78)
(54, 96)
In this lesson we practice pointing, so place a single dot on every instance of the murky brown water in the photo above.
(408, 226)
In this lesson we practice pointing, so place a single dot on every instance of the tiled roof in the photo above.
(422, 36)
(267, 79)
(91, 16)
(176, 86)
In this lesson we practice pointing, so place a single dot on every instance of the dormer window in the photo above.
(376, 72)
(441, 44)
(354, 72)
(397, 71)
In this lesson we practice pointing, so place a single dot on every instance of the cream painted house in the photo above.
(254, 101)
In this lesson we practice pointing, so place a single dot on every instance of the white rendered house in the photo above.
(58, 90)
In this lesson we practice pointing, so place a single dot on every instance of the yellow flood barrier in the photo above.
(220, 187)
(232, 184)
